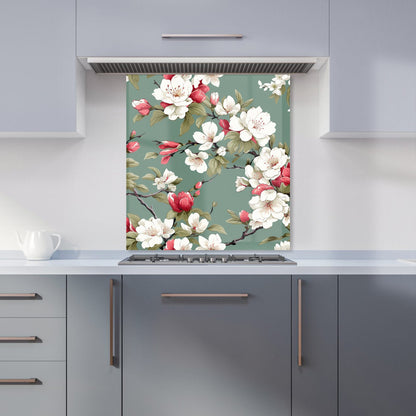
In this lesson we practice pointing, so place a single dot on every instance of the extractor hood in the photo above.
(203, 65)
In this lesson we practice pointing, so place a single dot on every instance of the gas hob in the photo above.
(217, 258)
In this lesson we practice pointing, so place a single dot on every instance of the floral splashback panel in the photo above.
(208, 162)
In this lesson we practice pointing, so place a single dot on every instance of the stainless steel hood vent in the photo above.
(201, 65)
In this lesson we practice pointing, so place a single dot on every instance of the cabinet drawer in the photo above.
(32, 296)
(32, 339)
(44, 398)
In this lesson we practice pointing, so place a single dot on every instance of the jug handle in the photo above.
(58, 243)
(19, 239)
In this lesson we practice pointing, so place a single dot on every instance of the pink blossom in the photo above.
(170, 244)
(215, 97)
(129, 226)
(284, 176)
(168, 76)
(197, 193)
(132, 147)
(198, 185)
(198, 95)
(244, 216)
(168, 145)
(260, 188)
(165, 160)
(225, 124)
(142, 106)
(168, 151)
(181, 202)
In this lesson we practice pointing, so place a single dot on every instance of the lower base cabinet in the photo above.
(315, 359)
(377, 345)
(94, 380)
(187, 354)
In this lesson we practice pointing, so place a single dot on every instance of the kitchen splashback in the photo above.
(208, 162)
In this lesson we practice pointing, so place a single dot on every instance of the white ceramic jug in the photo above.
(38, 245)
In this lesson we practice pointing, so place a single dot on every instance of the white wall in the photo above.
(346, 194)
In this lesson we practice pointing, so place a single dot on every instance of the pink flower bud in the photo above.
(168, 76)
(198, 185)
(260, 188)
(181, 202)
(165, 160)
(132, 147)
(225, 124)
(129, 226)
(284, 177)
(133, 134)
(244, 216)
(164, 105)
(142, 106)
(168, 151)
(169, 145)
(215, 97)
(197, 193)
(170, 245)
(198, 96)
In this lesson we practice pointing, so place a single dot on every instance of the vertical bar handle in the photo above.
(299, 322)
(112, 322)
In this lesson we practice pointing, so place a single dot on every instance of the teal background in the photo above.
(222, 188)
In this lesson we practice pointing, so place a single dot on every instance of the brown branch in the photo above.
(139, 198)
(243, 236)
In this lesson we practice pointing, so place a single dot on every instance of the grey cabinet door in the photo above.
(269, 28)
(39, 85)
(94, 386)
(377, 344)
(196, 356)
(372, 68)
(314, 383)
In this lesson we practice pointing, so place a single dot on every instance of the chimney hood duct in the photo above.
(203, 65)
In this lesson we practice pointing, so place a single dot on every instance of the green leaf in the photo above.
(134, 80)
(186, 124)
(142, 188)
(137, 117)
(213, 167)
(218, 228)
(171, 214)
(238, 97)
(180, 232)
(233, 146)
(177, 181)
(197, 109)
(272, 140)
(233, 221)
(130, 184)
(131, 176)
(182, 216)
(155, 170)
(288, 97)
(194, 241)
(149, 177)
(151, 155)
(222, 160)
(131, 163)
(232, 135)
(132, 234)
(161, 197)
(269, 239)
(131, 244)
(158, 107)
(134, 220)
(200, 121)
(247, 103)
(203, 214)
(157, 115)
(150, 75)
(233, 214)
(284, 189)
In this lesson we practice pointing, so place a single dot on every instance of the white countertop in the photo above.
(107, 263)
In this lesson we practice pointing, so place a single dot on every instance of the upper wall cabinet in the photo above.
(372, 69)
(41, 83)
(268, 27)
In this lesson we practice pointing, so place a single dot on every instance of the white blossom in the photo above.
(195, 224)
(208, 135)
(253, 123)
(255, 176)
(275, 86)
(229, 106)
(270, 161)
(268, 207)
(212, 243)
(182, 244)
(175, 92)
(284, 245)
(241, 183)
(196, 162)
(207, 79)
(222, 151)
(152, 232)
(166, 181)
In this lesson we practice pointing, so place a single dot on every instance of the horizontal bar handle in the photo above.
(25, 381)
(18, 296)
(18, 339)
(202, 36)
(205, 295)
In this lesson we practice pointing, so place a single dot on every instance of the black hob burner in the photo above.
(203, 258)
